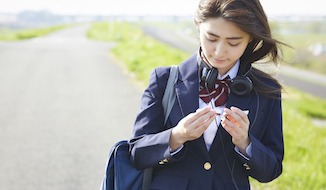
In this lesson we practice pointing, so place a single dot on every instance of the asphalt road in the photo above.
(63, 104)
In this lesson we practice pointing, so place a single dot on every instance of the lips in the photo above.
(219, 60)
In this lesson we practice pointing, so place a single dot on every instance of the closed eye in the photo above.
(211, 40)
(234, 45)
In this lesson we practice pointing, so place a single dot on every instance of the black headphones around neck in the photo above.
(241, 85)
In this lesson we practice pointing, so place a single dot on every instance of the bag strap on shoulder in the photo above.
(169, 94)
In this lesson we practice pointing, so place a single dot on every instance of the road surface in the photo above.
(63, 104)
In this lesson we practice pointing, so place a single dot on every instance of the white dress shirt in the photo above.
(211, 131)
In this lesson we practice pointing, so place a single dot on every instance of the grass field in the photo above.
(301, 55)
(303, 37)
(140, 53)
(10, 35)
(304, 161)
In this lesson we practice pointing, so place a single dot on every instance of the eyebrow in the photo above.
(230, 38)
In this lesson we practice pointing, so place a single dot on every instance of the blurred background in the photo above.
(72, 74)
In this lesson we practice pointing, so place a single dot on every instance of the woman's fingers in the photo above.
(194, 125)
(236, 123)
(199, 113)
(204, 118)
(241, 113)
(236, 116)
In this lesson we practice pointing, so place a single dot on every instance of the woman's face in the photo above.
(222, 42)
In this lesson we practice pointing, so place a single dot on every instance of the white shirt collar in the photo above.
(232, 72)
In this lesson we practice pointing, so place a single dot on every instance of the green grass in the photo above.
(307, 104)
(304, 161)
(304, 165)
(302, 36)
(300, 55)
(10, 35)
(139, 52)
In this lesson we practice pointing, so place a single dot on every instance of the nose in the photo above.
(220, 50)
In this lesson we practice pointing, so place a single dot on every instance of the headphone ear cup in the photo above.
(211, 78)
(241, 85)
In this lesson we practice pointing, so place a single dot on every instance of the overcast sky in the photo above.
(154, 7)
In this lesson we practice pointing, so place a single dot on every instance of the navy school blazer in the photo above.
(194, 167)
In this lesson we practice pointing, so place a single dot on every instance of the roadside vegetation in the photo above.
(138, 52)
(10, 34)
(304, 161)
(308, 39)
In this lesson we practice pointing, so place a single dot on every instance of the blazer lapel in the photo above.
(187, 90)
(241, 102)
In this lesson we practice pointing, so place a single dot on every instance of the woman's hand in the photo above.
(191, 127)
(236, 123)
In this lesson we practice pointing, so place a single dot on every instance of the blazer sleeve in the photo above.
(149, 144)
(267, 143)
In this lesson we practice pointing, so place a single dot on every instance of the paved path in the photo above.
(306, 81)
(63, 103)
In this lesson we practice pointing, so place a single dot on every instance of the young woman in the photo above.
(226, 123)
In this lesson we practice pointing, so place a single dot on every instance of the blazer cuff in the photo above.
(176, 151)
(248, 151)
(177, 154)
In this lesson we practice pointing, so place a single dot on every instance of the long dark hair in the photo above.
(249, 16)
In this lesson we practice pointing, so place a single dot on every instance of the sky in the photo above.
(154, 7)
